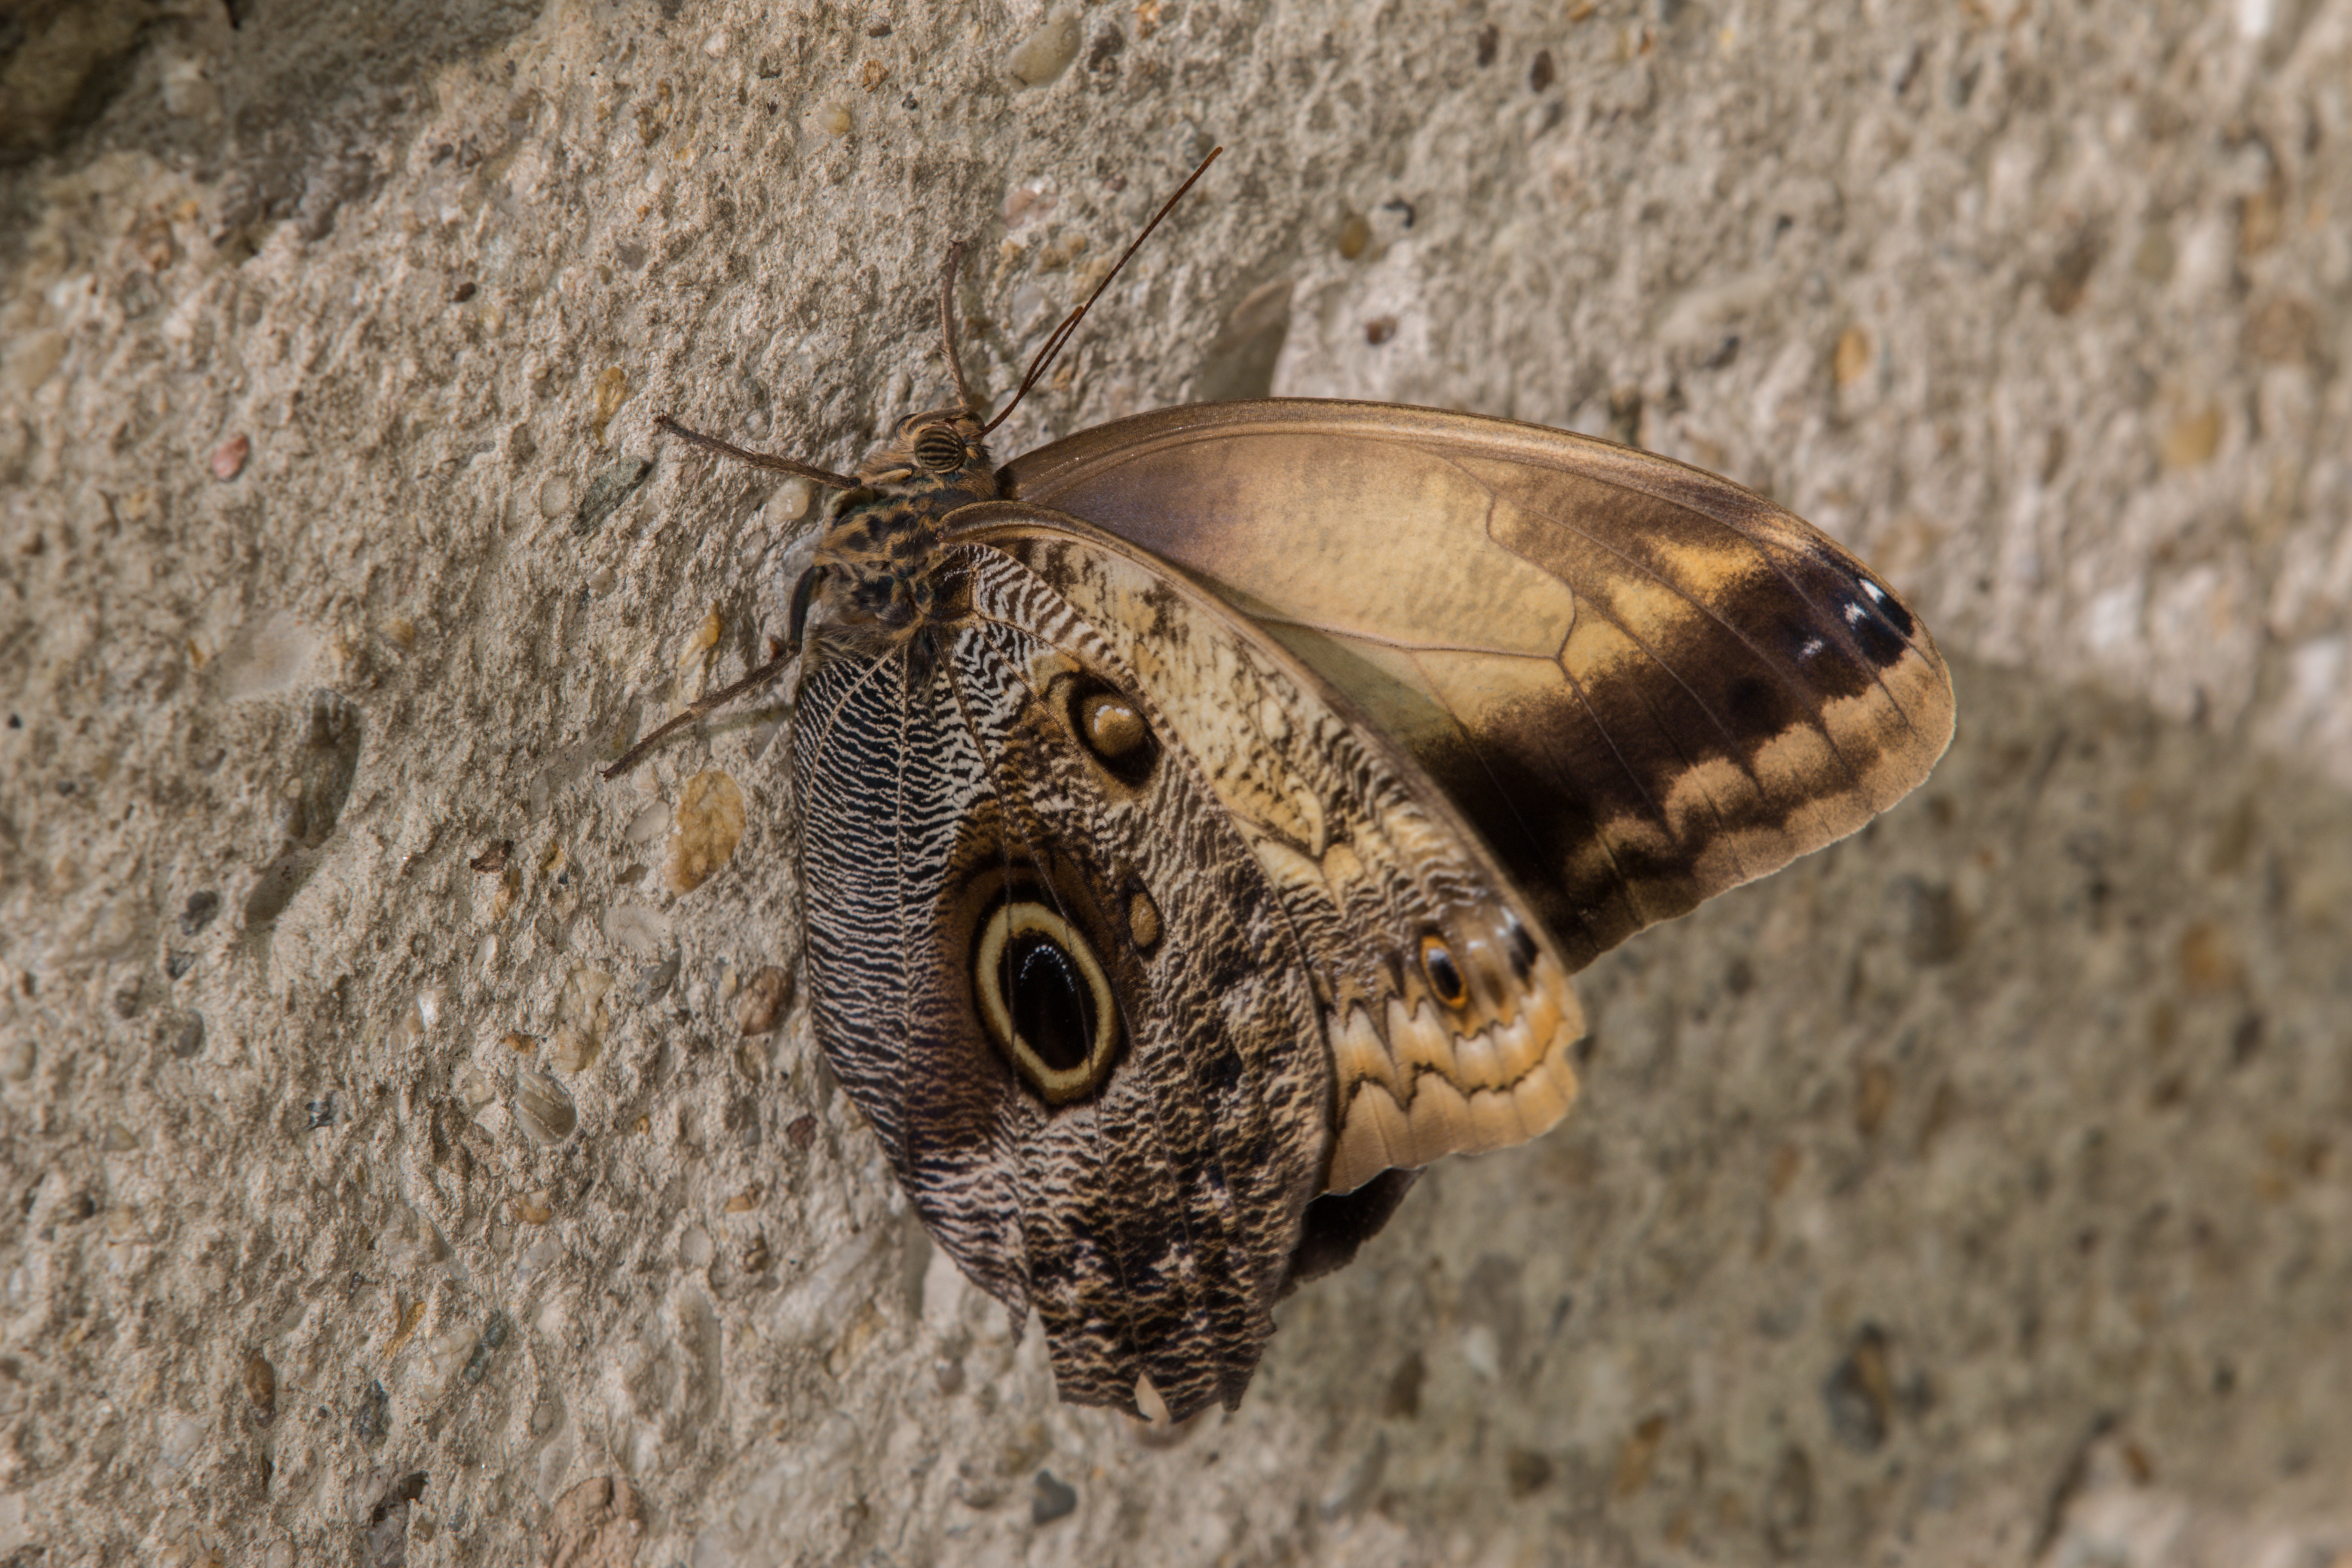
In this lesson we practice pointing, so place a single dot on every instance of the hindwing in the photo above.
(1146, 1208)
(1445, 1011)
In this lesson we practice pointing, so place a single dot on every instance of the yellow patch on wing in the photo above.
(1420, 1088)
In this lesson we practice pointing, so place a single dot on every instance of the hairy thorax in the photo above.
(878, 578)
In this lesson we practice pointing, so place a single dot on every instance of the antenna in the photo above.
(1069, 323)
(756, 460)
(947, 326)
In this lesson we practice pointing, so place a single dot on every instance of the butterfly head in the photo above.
(935, 458)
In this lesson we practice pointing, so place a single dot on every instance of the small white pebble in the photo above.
(717, 44)
(790, 500)
(1046, 53)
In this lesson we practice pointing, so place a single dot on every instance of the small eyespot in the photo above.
(939, 449)
(1143, 921)
(1114, 729)
(1522, 947)
(1445, 982)
(1045, 1001)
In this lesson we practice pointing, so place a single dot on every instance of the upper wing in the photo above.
(1643, 684)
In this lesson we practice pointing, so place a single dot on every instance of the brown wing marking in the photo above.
(1642, 683)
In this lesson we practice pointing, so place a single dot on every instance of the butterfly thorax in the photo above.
(879, 571)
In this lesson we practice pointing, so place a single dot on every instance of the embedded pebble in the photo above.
(228, 457)
(1353, 235)
(183, 1035)
(1859, 1393)
(2192, 440)
(833, 119)
(447, 1351)
(636, 928)
(16, 1059)
(709, 826)
(790, 500)
(655, 979)
(1046, 53)
(1638, 1457)
(706, 637)
(543, 1108)
(321, 1112)
(612, 390)
(493, 1334)
(261, 1386)
(761, 1006)
(1054, 1499)
(608, 492)
(200, 908)
(409, 1317)
(599, 1521)
(584, 1020)
(373, 1419)
(648, 825)
(557, 497)
(1851, 359)
(570, 1050)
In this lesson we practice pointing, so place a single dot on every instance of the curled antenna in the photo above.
(1069, 323)
(947, 326)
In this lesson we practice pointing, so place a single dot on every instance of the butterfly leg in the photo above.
(780, 654)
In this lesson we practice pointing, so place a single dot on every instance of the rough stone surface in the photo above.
(388, 1176)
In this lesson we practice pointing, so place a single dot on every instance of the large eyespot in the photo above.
(939, 449)
(1445, 982)
(1046, 1000)
(1113, 729)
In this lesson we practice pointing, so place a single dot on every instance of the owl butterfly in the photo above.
(1199, 818)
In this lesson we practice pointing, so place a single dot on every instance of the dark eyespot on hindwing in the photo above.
(1045, 998)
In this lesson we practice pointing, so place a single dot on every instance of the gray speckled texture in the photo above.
(1975, 1192)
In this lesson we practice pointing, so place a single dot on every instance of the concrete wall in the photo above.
(1977, 1191)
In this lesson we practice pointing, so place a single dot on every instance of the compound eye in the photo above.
(939, 449)
(1045, 1001)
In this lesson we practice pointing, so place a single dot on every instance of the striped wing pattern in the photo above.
(1149, 1226)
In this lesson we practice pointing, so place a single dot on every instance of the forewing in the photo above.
(1642, 683)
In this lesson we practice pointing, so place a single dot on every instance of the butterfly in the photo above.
(1199, 819)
